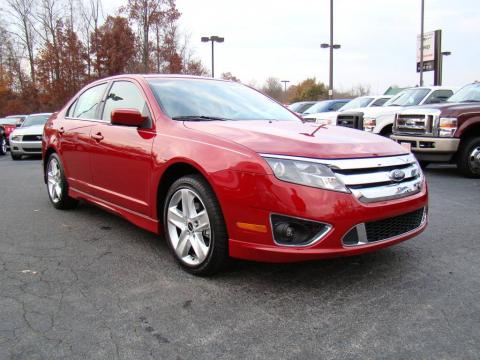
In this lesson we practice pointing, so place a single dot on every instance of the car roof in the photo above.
(36, 114)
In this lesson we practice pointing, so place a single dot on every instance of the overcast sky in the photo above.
(378, 39)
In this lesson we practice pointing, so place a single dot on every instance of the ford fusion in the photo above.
(223, 172)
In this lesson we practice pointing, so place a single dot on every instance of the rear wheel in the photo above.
(57, 185)
(468, 160)
(3, 145)
(194, 226)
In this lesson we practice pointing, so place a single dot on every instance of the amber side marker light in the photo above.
(252, 227)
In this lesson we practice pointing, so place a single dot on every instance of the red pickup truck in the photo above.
(448, 132)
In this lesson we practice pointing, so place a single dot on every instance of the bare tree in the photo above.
(50, 17)
(21, 11)
(90, 16)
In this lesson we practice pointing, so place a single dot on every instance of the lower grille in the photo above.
(384, 229)
(32, 150)
(32, 138)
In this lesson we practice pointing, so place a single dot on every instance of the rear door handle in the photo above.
(98, 136)
(61, 130)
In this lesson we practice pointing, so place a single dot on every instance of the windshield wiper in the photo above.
(471, 100)
(199, 118)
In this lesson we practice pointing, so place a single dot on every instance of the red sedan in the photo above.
(224, 171)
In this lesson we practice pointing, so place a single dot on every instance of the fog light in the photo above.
(296, 232)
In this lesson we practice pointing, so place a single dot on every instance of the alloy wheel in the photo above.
(54, 180)
(474, 160)
(189, 227)
(4, 145)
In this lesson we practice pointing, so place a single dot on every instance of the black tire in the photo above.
(217, 257)
(3, 144)
(424, 164)
(64, 202)
(15, 156)
(465, 157)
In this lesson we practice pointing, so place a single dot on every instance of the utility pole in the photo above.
(285, 82)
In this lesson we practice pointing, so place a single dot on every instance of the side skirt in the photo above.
(140, 220)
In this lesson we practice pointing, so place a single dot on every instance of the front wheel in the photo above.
(15, 156)
(468, 161)
(194, 226)
(57, 185)
(3, 145)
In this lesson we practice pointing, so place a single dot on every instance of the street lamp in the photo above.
(332, 47)
(440, 67)
(213, 39)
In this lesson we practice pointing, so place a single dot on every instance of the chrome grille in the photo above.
(379, 179)
(413, 124)
(351, 120)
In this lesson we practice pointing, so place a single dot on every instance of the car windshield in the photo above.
(319, 107)
(203, 100)
(356, 103)
(8, 121)
(300, 107)
(468, 93)
(409, 97)
(35, 120)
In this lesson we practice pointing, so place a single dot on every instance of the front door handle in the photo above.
(61, 130)
(98, 136)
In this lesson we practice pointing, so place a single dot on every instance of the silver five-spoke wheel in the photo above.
(54, 180)
(474, 160)
(189, 227)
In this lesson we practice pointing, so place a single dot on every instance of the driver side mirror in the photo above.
(127, 117)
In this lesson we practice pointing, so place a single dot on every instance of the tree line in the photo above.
(49, 49)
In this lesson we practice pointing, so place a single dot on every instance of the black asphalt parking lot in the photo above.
(85, 284)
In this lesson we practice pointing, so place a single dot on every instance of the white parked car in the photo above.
(379, 120)
(330, 118)
(27, 139)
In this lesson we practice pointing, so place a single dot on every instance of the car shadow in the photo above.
(385, 263)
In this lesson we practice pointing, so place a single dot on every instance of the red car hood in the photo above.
(298, 139)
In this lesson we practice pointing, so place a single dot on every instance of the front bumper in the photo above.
(251, 198)
(430, 148)
(26, 147)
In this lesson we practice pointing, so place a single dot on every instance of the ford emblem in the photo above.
(397, 175)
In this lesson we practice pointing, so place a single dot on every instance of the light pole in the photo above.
(421, 41)
(213, 39)
(285, 82)
(332, 47)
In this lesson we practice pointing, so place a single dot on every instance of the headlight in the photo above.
(369, 123)
(447, 127)
(15, 138)
(324, 121)
(305, 173)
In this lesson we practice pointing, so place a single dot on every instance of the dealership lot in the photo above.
(87, 284)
